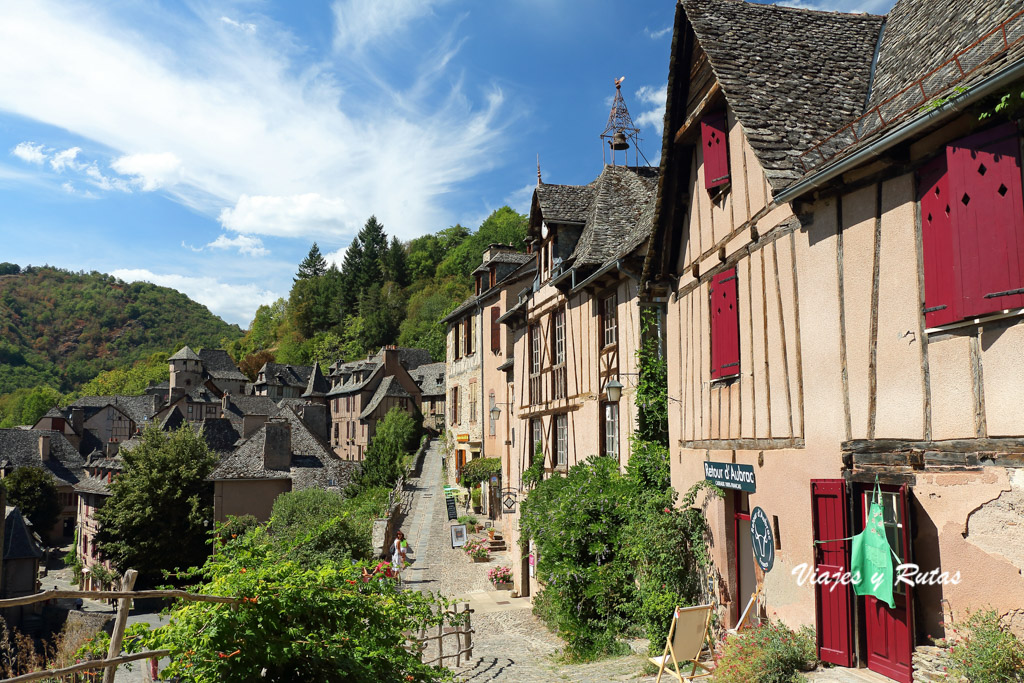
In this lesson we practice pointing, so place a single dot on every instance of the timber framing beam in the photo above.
(957, 454)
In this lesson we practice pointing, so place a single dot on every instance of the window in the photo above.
(561, 440)
(495, 329)
(611, 430)
(493, 277)
(609, 320)
(713, 136)
(336, 432)
(972, 227)
(535, 392)
(472, 408)
(454, 401)
(536, 439)
(455, 342)
(725, 326)
(558, 376)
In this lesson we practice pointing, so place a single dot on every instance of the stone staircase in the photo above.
(496, 544)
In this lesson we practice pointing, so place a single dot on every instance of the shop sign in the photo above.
(462, 438)
(762, 538)
(727, 475)
(450, 505)
(508, 501)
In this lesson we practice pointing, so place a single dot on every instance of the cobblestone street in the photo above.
(510, 643)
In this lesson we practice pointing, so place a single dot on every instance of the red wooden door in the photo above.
(890, 630)
(832, 559)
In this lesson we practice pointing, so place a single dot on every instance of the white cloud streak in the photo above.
(29, 152)
(245, 244)
(659, 33)
(234, 303)
(652, 99)
(245, 126)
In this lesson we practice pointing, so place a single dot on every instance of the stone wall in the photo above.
(930, 664)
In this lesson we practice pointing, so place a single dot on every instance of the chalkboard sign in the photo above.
(452, 514)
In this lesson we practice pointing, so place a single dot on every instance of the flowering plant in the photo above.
(500, 575)
(477, 550)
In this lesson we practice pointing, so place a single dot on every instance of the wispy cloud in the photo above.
(233, 302)
(869, 6)
(65, 159)
(658, 33)
(246, 126)
(245, 244)
(521, 198)
(652, 101)
(242, 26)
(29, 152)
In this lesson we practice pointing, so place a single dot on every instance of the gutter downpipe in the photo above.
(957, 104)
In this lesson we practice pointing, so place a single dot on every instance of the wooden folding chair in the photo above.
(686, 638)
(751, 606)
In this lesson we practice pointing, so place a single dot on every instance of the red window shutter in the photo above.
(725, 325)
(988, 215)
(942, 274)
(714, 140)
(495, 329)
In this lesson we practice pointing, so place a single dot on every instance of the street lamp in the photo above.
(614, 389)
(495, 412)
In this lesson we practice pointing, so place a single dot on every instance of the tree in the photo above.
(503, 226)
(394, 267)
(314, 526)
(160, 505)
(8, 268)
(251, 364)
(33, 490)
(395, 438)
(422, 327)
(351, 277)
(131, 381)
(375, 245)
(314, 265)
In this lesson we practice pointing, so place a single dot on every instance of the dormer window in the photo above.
(493, 277)
(715, 149)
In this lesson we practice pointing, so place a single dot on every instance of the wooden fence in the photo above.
(461, 630)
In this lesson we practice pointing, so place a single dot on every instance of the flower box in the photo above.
(503, 586)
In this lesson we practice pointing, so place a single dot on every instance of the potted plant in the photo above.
(470, 521)
(501, 578)
(477, 551)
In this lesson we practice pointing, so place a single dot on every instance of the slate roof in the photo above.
(202, 394)
(218, 364)
(275, 374)
(18, 541)
(619, 217)
(513, 257)
(410, 358)
(790, 76)
(172, 420)
(466, 305)
(185, 353)
(351, 385)
(389, 386)
(91, 484)
(430, 379)
(313, 464)
(219, 434)
(564, 203)
(318, 384)
(20, 448)
(139, 409)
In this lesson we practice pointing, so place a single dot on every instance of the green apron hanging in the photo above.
(871, 555)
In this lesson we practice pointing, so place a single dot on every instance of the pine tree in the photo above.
(394, 266)
(314, 265)
(351, 277)
(375, 246)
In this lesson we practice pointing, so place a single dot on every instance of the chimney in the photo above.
(493, 250)
(277, 445)
(390, 360)
(44, 447)
(314, 415)
(251, 424)
(77, 418)
(112, 447)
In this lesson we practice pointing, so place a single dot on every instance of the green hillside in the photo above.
(60, 329)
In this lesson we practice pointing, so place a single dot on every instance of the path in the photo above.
(510, 644)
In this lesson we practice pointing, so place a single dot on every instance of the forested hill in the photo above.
(60, 329)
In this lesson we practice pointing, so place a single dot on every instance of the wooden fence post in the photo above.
(469, 633)
(122, 619)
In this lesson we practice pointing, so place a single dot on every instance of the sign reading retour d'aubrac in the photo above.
(727, 475)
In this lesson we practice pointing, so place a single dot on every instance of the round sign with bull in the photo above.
(762, 538)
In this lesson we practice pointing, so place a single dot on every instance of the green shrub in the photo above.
(985, 651)
(234, 526)
(396, 436)
(314, 526)
(770, 653)
(468, 520)
(475, 496)
(480, 470)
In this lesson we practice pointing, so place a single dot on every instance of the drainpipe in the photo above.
(955, 105)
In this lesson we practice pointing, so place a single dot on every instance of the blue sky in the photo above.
(205, 145)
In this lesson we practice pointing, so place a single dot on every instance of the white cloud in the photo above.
(656, 34)
(150, 171)
(652, 100)
(337, 257)
(29, 152)
(520, 199)
(65, 159)
(242, 26)
(273, 142)
(253, 246)
(358, 22)
(869, 6)
(291, 216)
(234, 303)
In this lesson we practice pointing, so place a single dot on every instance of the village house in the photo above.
(283, 455)
(430, 379)
(19, 570)
(476, 347)
(100, 423)
(364, 391)
(840, 242)
(279, 380)
(54, 454)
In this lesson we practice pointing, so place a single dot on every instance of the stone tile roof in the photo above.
(19, 543)
(20, 448)
(619, 218)
(430, 379)
(513, 257)
(564, 203)
(202, 395)
(140, 409)
(459, 310)
(218, 433)
(278, 374)
(389, 386)
(313, 464)
(507, 365)
(352, 385)
(91, 484)
(410, 358)
(185, 353)
(790, 76)
(173, 419)
(318, 384)
(218, 364)
(241, 406)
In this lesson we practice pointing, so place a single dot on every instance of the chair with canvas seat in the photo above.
(686, 638)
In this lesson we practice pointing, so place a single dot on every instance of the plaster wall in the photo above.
(247, 497)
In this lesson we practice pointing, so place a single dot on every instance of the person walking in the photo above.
(398, 554)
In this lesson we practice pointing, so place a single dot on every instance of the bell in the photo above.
(618, 141)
